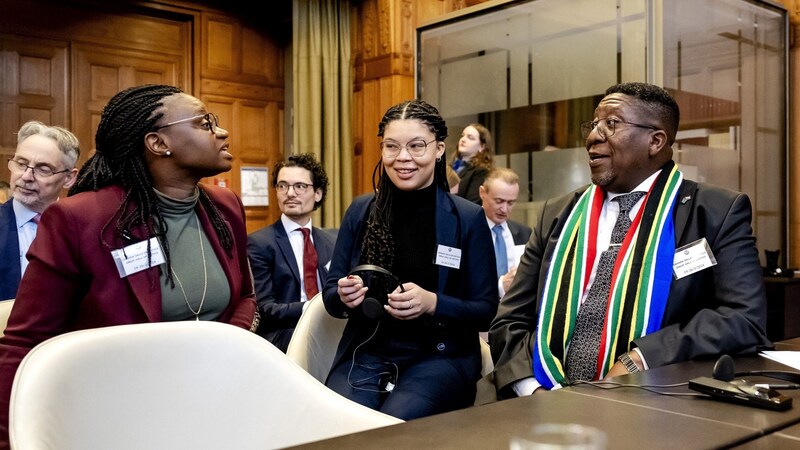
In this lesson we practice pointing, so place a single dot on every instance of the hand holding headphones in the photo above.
(353, 289)
(388, 294)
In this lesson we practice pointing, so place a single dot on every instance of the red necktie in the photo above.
(309, 265)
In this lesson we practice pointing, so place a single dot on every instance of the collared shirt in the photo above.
(296, 240)
(26, 231)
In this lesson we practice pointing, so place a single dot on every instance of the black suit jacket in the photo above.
(519, 232)
(277, 278)
(721, 309)
(472, 178)
(10, 271)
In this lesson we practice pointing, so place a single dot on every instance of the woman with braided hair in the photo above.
(414, 351)
(138, 239)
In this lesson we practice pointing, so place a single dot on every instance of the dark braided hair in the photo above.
(378, 245)
(119, 159)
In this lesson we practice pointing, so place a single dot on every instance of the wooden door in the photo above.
(33, 86)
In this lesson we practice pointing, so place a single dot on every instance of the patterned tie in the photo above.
(584, 347)
(500, 251)
(309, 265)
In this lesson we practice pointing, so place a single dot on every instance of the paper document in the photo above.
(791, 359)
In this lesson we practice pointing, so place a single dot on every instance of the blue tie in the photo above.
(500, 251)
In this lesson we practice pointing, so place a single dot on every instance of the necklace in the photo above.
(205, 276)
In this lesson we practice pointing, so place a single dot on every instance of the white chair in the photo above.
(5, 311)
(174, 385)
(315, 339)
(317, 335)
(486, 358)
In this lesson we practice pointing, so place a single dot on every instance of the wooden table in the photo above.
(630, 417)
(492, 426)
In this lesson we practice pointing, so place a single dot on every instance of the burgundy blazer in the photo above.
(72, 283)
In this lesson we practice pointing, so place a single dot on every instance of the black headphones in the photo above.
(725, 370)
(371, 306)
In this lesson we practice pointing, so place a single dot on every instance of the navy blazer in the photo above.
(718, 310)
(277, 279)
(10, 271)
(466, 297)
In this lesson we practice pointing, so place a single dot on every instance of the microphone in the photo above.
(725, 370)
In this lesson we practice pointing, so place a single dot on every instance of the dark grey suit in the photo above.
(717, 310)
(277, 278)
(519, 232)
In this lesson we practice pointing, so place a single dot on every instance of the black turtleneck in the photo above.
(414, 232)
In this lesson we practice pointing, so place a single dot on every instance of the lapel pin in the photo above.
(685, 199)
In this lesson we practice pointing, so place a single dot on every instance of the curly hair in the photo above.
(119, 159)
(378, 245)
(309, 162)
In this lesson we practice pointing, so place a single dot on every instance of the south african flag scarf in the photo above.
(639, 285)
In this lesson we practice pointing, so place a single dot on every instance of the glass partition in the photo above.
(532, 70)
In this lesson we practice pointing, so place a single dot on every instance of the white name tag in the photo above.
(448, 256)
(692, 258)
(134, 258)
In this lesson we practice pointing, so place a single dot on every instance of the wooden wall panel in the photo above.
(33, 86)
(104, 72)
(244, 66)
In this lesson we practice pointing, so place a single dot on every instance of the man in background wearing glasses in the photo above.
(290, 258)
(43, 165)
(640, 269)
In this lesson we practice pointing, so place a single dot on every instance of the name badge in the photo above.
(692, 258)
(448, 256)
(134, 257)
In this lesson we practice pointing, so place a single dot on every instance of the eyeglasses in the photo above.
(299, 188)
(415, 148)
(38, 171)
(607, 127)
(210, 121)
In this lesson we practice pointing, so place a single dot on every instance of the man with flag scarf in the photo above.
(683, 282)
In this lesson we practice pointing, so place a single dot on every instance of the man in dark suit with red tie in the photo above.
(290, 258)
(43, 165)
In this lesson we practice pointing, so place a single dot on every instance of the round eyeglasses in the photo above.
(607, 127)
(415, 148)
(38, 171)
(210, 121)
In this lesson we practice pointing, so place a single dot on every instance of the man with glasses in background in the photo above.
(43, 165)
(641, 269)
(290, 258)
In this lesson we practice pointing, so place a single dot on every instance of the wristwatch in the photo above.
(628, 362)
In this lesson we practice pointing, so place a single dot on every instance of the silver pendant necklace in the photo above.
(205, 276)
